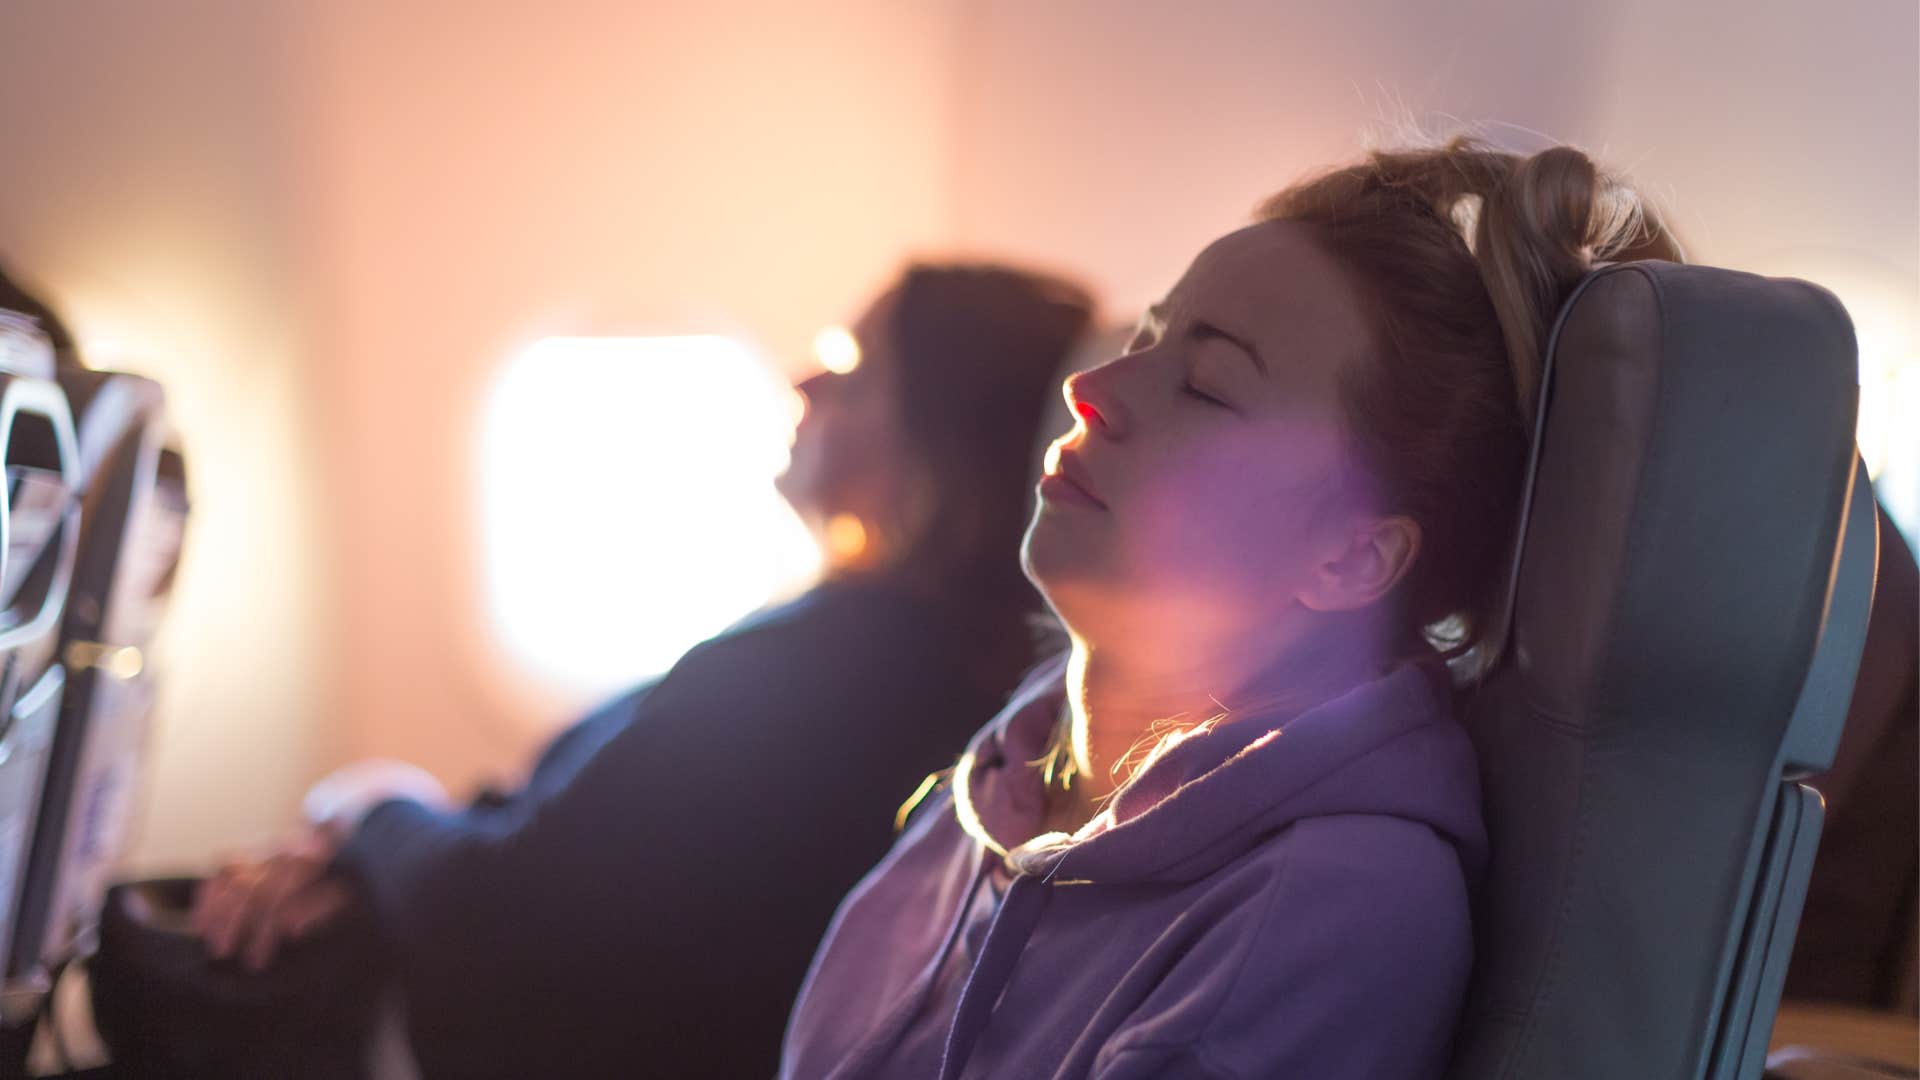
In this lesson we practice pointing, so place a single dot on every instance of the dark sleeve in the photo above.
(669, 894)
(565, 754)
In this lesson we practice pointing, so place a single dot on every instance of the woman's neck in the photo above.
(1122, 701)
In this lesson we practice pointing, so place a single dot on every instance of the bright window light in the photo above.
(1881, 302)
(1886, 327)
(628, 502)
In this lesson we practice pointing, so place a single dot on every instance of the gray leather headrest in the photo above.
(1694, 466)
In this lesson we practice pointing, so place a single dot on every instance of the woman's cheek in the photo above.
(1211, 534)
(1174, 540)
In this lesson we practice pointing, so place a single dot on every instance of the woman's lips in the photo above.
(1068, 483)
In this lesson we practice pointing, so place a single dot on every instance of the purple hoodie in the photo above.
(1269, 897)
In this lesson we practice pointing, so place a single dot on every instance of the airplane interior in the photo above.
(369, 520)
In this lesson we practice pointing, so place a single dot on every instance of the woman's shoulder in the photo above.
(1354, 869)
(834, 649)
(1343, 945)
(1394, 866)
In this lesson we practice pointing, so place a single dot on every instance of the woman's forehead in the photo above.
(1271, 277)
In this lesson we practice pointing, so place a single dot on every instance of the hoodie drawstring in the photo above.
(882, 1041)
(1007, 938)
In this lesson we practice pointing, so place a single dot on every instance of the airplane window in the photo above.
(628, 502)
(1890, 428)
(1886, 325)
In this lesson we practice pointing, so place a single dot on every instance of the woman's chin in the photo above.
(1048, 552)
(1061, 570)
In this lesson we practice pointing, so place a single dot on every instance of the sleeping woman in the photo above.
(1234, 830)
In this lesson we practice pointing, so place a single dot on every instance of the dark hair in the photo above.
(13, 297)
(1463, 255)
(981, 350)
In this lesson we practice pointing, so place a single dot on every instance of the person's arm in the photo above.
(249, 907)
(670, 893)
(609, 893)
(564, 753)
(623, 818)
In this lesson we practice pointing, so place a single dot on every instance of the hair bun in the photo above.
(1540, 232)
(1550, 198)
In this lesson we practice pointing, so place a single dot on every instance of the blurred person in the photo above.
(1234, 830)
(647, 904)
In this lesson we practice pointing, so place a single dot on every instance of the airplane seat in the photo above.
(39, 526)
(1690, 591)
(133, 514)
(160, 1005)
(1856, 947)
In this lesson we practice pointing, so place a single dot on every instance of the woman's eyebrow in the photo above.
(1156, 316)
(1243, 344)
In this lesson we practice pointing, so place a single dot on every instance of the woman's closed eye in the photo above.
(1188, 388)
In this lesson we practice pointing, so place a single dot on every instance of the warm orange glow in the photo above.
(1050, 461)
(907, 808)
(846, 538)
(836, 350)
(125, 663)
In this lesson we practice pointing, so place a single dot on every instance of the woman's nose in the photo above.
(1086, 394)
(815, 386)
(817, 394)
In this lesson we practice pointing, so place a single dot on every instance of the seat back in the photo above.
(1690, 591)
(39, 526)
(132, 517)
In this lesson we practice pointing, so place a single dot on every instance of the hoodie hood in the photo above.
(1207, 796)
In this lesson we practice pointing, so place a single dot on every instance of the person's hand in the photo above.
(252, 907)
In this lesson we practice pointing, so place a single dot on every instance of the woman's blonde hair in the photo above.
(1463, 254)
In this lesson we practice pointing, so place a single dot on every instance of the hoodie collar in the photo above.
(1389, 746)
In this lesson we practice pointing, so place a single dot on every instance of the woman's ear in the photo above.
(1375, 555)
